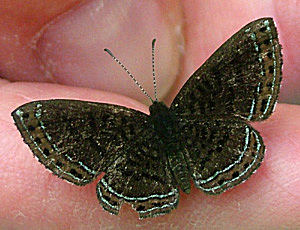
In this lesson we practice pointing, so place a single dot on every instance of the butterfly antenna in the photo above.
(153, 70)
(127, 71)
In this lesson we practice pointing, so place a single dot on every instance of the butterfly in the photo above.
(204, 135)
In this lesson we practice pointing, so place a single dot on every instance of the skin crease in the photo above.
(33, 198)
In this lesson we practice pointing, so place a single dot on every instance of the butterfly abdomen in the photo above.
(179, 167)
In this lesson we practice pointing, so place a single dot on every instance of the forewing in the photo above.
(221, 153)
(140, 178)
(241, 78)
(77, 140)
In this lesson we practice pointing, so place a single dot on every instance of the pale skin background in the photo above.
(61, 42)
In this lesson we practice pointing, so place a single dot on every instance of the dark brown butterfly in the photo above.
(203, 136)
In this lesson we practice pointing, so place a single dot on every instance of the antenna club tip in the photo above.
(109, 52)
(153, 41)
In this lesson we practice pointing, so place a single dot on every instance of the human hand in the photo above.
(70, 52)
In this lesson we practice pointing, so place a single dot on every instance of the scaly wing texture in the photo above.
(141, 179)
(221, 153)
(76, 140)
(241, 78)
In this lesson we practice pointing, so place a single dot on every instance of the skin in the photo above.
(56, 66)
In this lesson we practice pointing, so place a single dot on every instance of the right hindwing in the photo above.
(221, 153)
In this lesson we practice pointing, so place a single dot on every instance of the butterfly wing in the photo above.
(77, 140)
(222, 153)
(241, 78)
(150, 192)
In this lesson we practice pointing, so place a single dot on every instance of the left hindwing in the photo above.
(221, 153)
(241, 78)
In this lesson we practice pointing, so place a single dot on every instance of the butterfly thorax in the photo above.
(165, 124)
(162, 119)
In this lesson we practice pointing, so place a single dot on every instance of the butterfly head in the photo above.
(158, 107)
